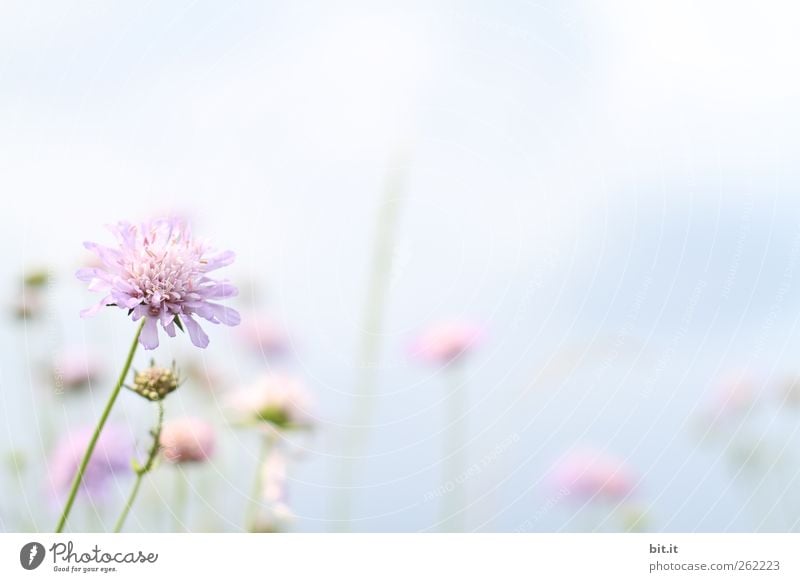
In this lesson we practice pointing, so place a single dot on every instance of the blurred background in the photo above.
(607, 191)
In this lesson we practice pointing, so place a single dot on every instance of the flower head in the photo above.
(590, 474)
(112, 456)
(187, 440)
(155, 383)
(159, 272)
(447, 341)
(279, 400)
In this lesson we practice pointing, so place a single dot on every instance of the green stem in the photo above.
(453, 463)
(98, 429)
(181, 499)
(255, 493)
(142, 471)
(370, 349)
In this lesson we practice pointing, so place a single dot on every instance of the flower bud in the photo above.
(155, 383)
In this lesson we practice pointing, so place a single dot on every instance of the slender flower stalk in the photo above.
(370, 350)
(447, 344)
(142, 470)
(181, 500)
(454, 463)
(76, 482)
(185, 441)
(267, 444)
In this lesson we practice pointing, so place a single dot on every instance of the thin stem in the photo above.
(380, 283)
(98, 429)
(142, 471)
(181, 499)
(255, 493)
(453, 463)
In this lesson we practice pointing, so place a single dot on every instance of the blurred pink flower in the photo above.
(589, 474)
(278, 399)
(187, 440)
(263, 335)
(447, 341)
(159, 272)
(75, 368)
(112, 456)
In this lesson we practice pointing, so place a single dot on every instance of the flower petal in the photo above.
(223, 259)
(196, 333)
(109, 256)
(218, 289)
(225, 315)
(169, 328)
(149, 335)
(87, 274)
(90, 311)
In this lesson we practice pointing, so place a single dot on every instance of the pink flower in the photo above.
(263, 335)
(75, 368)
(112, 456)
(159, 272)
(446, 342)
(590, 474)
(187, 440)
(277, 399)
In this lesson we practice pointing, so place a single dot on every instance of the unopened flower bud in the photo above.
(155, 383)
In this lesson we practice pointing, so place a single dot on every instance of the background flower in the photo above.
(187, 440)
(75, 368)
(112, 457)
(592, 475)
(278, 399)
(447, 341)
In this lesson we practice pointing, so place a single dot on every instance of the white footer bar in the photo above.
(406, 557)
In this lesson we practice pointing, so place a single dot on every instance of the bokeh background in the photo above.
(609, 189)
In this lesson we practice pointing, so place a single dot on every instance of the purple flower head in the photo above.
(159, 272)
(111, 457)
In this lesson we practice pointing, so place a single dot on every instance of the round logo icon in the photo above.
(31, 555)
